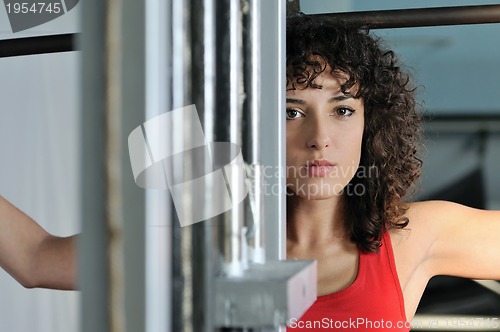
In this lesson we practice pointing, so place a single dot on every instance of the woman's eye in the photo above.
(293, 114)
(344, 112)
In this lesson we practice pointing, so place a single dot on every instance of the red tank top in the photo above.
(373, 302)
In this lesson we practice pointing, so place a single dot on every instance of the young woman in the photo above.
(31, 255)
(352, 137)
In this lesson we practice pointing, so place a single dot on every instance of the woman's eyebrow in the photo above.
(340, 97)
(295, 101)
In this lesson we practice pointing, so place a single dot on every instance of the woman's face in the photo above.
(324, 131)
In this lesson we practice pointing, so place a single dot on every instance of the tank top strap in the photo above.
(389, 253)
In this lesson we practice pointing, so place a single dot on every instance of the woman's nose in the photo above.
(319, 137)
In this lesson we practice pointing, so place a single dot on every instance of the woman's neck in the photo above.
(314, 223)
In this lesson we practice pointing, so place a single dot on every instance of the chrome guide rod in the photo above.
(210, 240)
(159, 209)
(273, 53)
(183, 260)
(273, 26)
(259, 254)
(228, 126)
(235, 260)
(251, 128)
(204, 241)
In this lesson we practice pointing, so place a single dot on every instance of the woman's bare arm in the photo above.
(31, 255)
(465, 241)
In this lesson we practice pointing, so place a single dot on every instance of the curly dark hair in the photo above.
(391, 135)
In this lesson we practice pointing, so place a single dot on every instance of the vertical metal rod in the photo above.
(94, 282)
(112, 206)
(209, 36)
(113, 172)
(234, 264)
(251, 130)
(204, 234)
(181, 96)
(158, 205)
(227, 123)
(133, 104)
(256, 106)
(273, 27)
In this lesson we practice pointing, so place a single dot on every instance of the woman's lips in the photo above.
(319, 167)
(313, 170)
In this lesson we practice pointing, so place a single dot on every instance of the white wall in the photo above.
(39, 173)
(39, 168)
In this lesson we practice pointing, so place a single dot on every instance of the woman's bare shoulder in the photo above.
(424, 215)
(421, 231)
(442, 228)
(427, 209)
